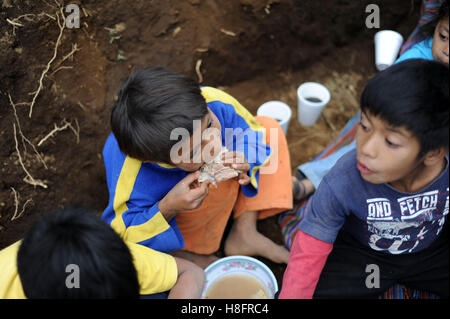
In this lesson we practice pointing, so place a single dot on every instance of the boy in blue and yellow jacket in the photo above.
(155, 197)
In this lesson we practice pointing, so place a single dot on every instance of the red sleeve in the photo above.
(306, 261)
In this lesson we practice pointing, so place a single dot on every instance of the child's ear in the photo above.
(435, 156)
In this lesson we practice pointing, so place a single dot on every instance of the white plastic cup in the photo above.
(312, 98)
(277, 110)
(387, 47)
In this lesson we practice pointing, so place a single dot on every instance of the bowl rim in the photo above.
(248, 258)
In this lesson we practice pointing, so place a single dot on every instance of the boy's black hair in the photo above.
(151, 103)
(427, 30)
(413, 94)
(63, 244)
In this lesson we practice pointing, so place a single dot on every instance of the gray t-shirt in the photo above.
(377, 215)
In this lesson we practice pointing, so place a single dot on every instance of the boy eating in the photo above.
(156, 198)
(379, 216)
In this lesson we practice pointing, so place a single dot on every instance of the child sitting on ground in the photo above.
(434, 47)
(156, 198)
(385, 204)
(74, 254)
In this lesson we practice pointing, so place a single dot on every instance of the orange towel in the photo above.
(203, 227)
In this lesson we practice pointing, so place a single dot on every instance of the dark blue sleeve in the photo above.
(324, 214)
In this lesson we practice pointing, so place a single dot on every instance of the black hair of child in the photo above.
(152, 103)
(427, 30)
(72, 242)
(413, 94)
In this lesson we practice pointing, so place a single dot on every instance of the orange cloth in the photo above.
(203, 227)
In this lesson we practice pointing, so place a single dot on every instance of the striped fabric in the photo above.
(346, 137)
(428, 11)
(402, 292)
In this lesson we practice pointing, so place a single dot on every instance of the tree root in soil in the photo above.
(61, 21)
(198, 71)
(55, 53)
(18, 214)
(24, 139)
(62, 128)
(18, 22)
(27, 179)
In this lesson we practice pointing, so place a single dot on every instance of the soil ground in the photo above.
(256, 50)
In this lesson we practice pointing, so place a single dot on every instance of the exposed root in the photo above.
(27, 179)
(61, 68)
(18, 214)
(197, 70)
(24, 139)
(69, 55)
(228, 32)
(62, 128)
(55, 52)
(61, 21)
(16, 22)
(76, 131)
(82, 106)
(16, 203)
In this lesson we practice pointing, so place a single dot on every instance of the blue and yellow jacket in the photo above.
(136, 187)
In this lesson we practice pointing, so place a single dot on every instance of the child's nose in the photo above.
(369, 147)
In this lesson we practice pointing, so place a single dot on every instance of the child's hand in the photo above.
(238, 162)
(188, 194)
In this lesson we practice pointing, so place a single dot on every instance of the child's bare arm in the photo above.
(188, 194)
(191, 279)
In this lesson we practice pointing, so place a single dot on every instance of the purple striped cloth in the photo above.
(428, 11)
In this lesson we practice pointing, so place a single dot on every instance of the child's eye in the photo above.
(443, 37)
(390, 144)
(365, 128)
(210, 124)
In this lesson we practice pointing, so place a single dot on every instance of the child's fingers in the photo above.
(201, 191)
(244, 179)
(200, 195)
(194, 184)
(205, 184)
(190, 178)
(236, 160)
(234, 157)
(241, 167)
